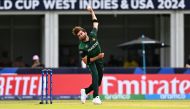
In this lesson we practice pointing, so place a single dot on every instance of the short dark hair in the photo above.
(76, 29)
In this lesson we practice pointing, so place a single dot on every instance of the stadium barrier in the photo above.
(117, 83)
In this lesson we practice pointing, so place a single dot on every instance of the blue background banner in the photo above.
(74, 5)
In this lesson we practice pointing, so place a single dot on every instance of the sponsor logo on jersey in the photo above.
(93, 46)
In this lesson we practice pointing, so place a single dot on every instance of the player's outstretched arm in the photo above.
(94, 18)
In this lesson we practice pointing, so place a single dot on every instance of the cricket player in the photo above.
(92, 56)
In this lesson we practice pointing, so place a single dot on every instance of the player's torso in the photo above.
(92, 47)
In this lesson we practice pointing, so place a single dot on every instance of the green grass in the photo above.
(107, 104)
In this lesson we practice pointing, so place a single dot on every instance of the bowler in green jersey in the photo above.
(92, 56)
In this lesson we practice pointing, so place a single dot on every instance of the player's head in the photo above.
(79, 32)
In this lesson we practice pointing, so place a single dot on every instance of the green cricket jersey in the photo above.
(90, 48)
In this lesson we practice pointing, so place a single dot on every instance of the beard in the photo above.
(83, 38)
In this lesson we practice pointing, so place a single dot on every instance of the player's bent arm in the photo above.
(85, 59)
(94, 58)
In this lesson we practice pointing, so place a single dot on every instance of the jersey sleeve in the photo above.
(93, 33)
(82, 53)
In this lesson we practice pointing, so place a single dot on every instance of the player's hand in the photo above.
(101, 55)
(89, 8)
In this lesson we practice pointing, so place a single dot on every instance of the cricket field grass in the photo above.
(107, 104)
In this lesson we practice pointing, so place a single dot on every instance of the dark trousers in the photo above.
(96, 69)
